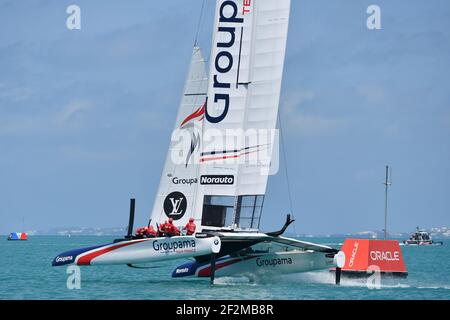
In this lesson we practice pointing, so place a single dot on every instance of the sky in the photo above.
(86, 115)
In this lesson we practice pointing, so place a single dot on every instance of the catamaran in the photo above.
(220, 157)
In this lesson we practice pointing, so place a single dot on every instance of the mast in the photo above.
(386, 183)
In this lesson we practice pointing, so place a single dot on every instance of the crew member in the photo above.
(140, 232)
(162, 229)
(146, 232)
(190, 227)
(170, 229)
(150, 232)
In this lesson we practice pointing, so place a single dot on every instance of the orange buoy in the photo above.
(364, 255)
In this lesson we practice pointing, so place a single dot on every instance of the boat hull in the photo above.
(251, 265)
(17, 236)
(140, 251)
(422, 243)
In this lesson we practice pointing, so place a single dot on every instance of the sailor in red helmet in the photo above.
(146, 232)
(163, 228)
(190, 227)
(140, 233)
(171, 229)
(150, 232)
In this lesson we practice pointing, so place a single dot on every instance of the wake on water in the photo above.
(235, 281)
(325, 278)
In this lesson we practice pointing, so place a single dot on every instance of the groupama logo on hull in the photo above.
(64, 260)
(272, 262)
(173, 245)
(229, 22)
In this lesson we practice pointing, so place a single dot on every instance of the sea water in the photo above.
(26, 273)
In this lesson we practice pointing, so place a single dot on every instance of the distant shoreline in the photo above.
(436, 233)
(337, 236)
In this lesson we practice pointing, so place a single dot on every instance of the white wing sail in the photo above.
(223, 139)
(246, 67)
(179, 180)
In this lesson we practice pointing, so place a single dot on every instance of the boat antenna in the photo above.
(387, 183)
(200, 20)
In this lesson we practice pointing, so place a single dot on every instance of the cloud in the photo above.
(317, 125)
(371, 94)
(19, 125)
(44, 122)
(446, 120)
(366, 175)
(82, 153)
(14, 94)
(394, 131)
(73, 109)
(298, 118)
(295, 100)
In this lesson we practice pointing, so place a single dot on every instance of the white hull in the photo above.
(141, 251)
(279, 263)
(294, 261)
(422, 243)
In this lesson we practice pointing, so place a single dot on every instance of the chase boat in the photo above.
(421, 238)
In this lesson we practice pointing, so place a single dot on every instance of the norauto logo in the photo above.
(184, 270)
(223, 60)
(217, 180)
(384, 256)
